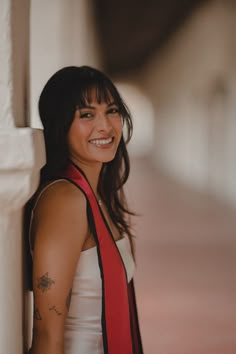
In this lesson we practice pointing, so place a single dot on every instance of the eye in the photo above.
(113, 110)
(85, 115)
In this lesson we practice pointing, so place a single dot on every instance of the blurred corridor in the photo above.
(185, 279)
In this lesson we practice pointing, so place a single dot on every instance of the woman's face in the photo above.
(95, 133)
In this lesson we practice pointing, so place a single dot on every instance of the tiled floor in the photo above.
(186, 266)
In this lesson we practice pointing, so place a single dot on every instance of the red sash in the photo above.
(119, 315)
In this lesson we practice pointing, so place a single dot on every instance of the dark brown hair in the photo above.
(68, 89)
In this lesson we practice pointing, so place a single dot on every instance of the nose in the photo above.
(103, 123)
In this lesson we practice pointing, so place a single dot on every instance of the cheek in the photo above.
(118, 126)
(78, 131)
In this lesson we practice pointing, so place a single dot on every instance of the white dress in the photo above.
(83, 331)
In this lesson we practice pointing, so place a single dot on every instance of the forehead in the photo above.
(96, 94)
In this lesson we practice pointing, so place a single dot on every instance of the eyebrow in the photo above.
(92, 107)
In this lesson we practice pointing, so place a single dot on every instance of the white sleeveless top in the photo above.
(83, 329)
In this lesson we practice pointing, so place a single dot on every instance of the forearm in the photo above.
(47, 344)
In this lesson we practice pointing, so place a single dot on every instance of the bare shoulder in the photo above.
(60, 195)
(60, 213)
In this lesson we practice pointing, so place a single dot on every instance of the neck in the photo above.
(91, 171)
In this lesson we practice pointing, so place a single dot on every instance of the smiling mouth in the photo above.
(100, 142)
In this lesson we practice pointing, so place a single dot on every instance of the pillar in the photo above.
(21, 157)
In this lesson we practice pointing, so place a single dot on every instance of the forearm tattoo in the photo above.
(53, 308)
(44, 282)
(37, 315)
(68, 300)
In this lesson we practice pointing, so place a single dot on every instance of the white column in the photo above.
(21, 157)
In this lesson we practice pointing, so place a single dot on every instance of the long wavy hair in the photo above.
(67, 90)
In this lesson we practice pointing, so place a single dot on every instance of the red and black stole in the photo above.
(120, 326)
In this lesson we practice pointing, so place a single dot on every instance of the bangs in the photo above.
(99, 91)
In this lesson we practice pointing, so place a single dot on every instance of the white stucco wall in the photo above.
(191, 83)
(62, 34)
(6, 115)
(21, 157)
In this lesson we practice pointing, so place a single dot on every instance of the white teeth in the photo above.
(101, 141)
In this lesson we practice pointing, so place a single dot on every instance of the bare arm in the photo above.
(59, 231)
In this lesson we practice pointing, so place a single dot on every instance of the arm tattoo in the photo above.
(68, 300)
(44, 282)
(53, 308)
(37, 315)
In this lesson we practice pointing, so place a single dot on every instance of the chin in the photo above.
(107, 159)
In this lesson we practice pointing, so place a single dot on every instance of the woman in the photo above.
(80, 237)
